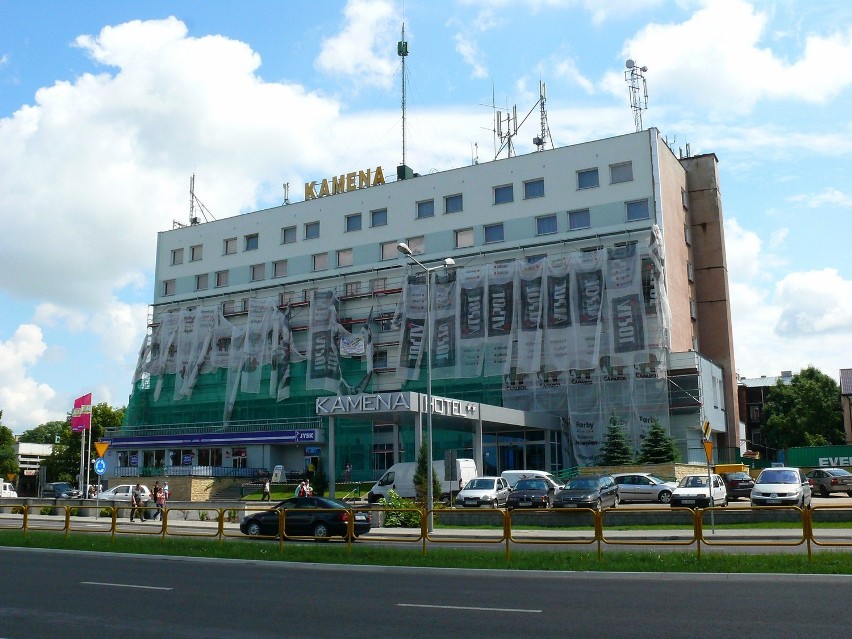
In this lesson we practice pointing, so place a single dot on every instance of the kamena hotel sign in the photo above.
(397, 402)
(343, 183)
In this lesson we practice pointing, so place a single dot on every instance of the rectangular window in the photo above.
(416, 244)
(380, 360)
(622, 172)
(379, 284)
(464, 238)
(504, 194)
(533, 189)
(252, 242)
(230, 246)
(195, 253)
(532, 259)
(279, 268)
(258, 272)
(287, 297)
(545, 224)
(320, 261)
(352, 288)
(587, 179)
(684, 198)
(306, 294)
(169, 287)
(353, 222)
(379, 217)
(453, 203)
(177, 256)
(637, 210)
(202, 282)
(579, 219)
(389, 250)
(344, 257)
(288, 235)
(221, 278)
(426, 208)
(493, 232)
(311, 230)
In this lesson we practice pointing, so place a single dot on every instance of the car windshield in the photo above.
(778, 477)
(738, 476)
(479, 484)
(693, 481)
(582, 484)
(839, 472)
(531, 484)
(656, 479)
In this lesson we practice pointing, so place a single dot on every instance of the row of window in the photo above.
(503, 194)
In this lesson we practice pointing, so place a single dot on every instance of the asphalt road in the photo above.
(70, 595)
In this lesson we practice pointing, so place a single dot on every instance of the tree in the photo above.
(658, 447)
(615, 450)
(421, 477)
(8, 458)
(805, 412)
(320, 481)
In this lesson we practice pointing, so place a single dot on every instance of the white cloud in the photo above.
(742, 250)
(828, 197)
(471, 54)
(814, 303)
(567, 70)
(363, 50)
(23, 400)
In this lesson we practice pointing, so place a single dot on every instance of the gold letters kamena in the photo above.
(348, 182)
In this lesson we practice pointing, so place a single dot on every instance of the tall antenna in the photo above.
(511, 131)
(286, 192)
(192, 218)
(638, 89)
(541, 139)
(402, 52)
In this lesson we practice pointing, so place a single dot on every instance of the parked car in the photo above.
(319, 517)
(692, 492)
(530, 493)
(738, 484)
(588, 491)
(122, 493)
(484, 491)
(7, 490)
(830, 480)
(643, 487)
(60, 489)
(512, 477)
(781, 486)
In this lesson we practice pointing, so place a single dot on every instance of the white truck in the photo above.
(400, 479)
(8, 490)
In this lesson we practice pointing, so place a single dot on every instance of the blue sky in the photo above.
(108, 108)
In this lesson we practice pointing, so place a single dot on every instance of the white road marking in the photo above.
(407, 605)
(103, 583)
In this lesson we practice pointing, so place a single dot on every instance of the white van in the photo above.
(512, 477)
(400, 479)
(8, 490)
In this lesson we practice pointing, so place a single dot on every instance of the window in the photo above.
(453, 203)
(177, 256)
(621, 172)
(251, 242)
(258, 272)
(532, 259)
(533, 188)
(379, 217)
(425, 208)
(288, 235)
(230, 246)
(545, 224)
(279, 268)
(416, 244)
(684, 198)
(344, 257)
(380, 359)
(352, 288)
(287, 297)
(195, 253)
(202, 282)
(311, 230)
(579, 219)
(464, 238)
(493, 232)
(169, 287)
(587, 179)
(389, 250)
(353, 222)
(379, 284)
(320, 261)
(504, 194)
(221, 278)
(306, 294)
(637, 210)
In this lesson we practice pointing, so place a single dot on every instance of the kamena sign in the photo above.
(399, 401)
(343, 183)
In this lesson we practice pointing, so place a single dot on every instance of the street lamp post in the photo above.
(403, 248)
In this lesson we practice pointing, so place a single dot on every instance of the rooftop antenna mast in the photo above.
(638, 89)
(193, 201)
(402, 52)
(541, 139)
(511, 131)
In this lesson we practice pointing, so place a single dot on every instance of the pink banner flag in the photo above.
(81, 417)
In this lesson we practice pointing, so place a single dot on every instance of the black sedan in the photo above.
(318, 517)
(738, 485)
(589, 491)
(530, 493)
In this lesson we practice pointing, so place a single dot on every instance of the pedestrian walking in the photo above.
(266, 491)
(136, 506)
(157, 495)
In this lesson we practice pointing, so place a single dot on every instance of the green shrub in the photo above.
(75, 511)
(106, 512)
(232, 515)
(203, 515)
(46, 510)
(394, 519)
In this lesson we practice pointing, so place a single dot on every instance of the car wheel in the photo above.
(664, 497)
(253, 529)
(321, 530)
(495, 503)
(823, 491)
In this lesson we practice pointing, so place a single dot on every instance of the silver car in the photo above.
(781, 486)
(644, 487)
(830, 480)
(484, 491)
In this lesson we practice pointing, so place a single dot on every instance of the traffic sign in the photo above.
(101, 447)
(100, 465)
(705, 429)
(708, 450)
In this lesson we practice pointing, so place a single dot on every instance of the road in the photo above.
(82, 595)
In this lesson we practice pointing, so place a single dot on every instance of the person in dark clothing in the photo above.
(136, 505)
